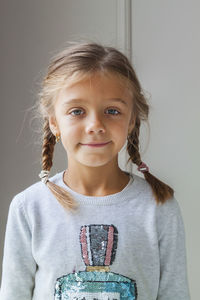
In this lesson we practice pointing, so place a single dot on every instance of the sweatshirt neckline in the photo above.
(101, 200)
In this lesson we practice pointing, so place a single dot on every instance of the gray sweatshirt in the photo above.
(119, 246)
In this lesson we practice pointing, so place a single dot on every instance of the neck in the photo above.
(93, 182)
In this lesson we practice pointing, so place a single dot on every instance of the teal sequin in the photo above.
(96, 286)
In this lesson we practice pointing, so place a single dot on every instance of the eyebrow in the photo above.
(71, 101)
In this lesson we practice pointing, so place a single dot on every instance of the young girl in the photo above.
(94, 231)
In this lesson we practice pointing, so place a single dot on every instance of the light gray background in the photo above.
(165, 53)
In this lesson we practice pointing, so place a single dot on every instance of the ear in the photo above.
(53, 124)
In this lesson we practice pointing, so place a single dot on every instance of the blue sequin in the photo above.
(93, 284)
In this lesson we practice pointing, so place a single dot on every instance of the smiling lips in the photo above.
(96, 145)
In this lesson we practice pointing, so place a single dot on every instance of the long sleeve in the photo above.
(173, 262)
(18, 268)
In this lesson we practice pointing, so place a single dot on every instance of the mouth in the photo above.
(96, 144)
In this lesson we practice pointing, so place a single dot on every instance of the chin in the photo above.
(94, 163)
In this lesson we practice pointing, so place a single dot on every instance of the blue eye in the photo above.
(75, 111)
(112, 109)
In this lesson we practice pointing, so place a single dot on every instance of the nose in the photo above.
(95, 124)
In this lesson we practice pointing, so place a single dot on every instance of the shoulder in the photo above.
(28, 205)
(162, 212)
(169, 211)
(170, 207)
(167, 217)
(142, 191)
(33, 194)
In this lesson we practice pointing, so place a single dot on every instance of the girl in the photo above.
(94, 231)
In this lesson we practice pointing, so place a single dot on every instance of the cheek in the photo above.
(71, 134)
(121, 129)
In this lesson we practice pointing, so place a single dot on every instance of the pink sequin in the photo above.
(109, 246)
(84, 246)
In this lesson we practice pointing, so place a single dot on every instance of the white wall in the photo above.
(166, 51)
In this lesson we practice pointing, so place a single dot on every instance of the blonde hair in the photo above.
(76, 62)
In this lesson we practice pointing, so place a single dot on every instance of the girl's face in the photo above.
(94, 110)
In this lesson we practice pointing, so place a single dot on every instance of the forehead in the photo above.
(105, 81)
(81, 87)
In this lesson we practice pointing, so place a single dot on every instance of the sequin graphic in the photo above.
(98, 248)
(98, 244)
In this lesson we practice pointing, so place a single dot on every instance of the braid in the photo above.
(49, 141)
(133, 144)
(161, 191)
